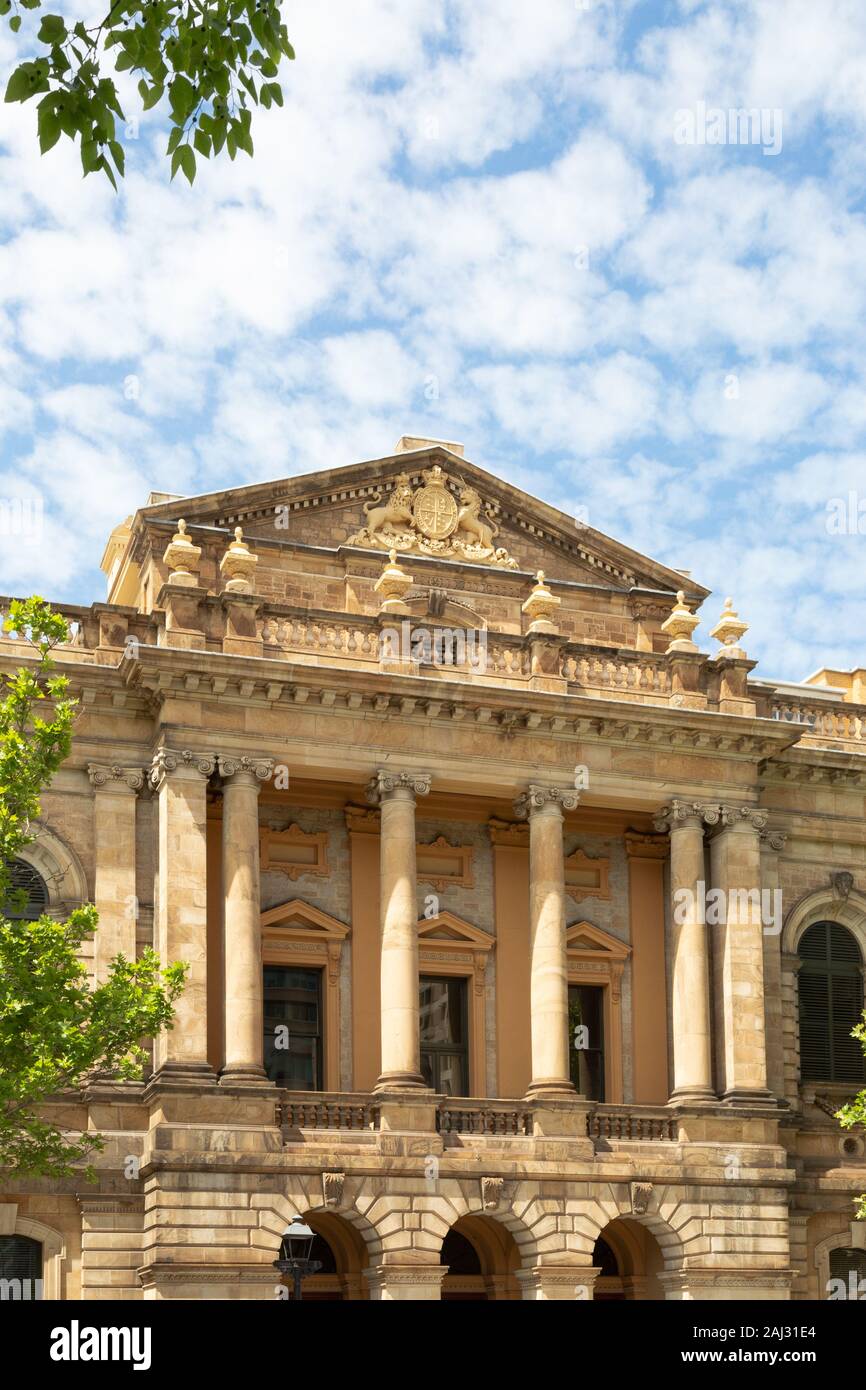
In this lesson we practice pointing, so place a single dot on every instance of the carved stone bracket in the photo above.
(333, 1185)
(492, 1193)
(841, 883)
(641, 1196)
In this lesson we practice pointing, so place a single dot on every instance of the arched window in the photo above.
(24, 878)
(849, 1267)
(20, 1268)
(831, 1002)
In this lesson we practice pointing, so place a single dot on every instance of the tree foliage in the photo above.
(854, 1113)
(56, 1032)
(205, 63)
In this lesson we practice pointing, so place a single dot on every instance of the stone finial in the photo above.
(238, 565)
(679, 625)
(541, 607)
(392, 585)
(182, 557)
(728, 631)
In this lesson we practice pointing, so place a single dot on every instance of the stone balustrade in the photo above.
(634, 1122)
(465, 1116)
(340, 1110)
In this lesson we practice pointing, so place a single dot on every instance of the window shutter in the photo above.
(814, 1032)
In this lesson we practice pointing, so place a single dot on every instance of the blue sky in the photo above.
(533, 228)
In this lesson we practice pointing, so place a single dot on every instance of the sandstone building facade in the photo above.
(525, 938)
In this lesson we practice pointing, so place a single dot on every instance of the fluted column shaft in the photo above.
(395, 793)
(179, 780)
(690, 983)
(114, 890)
(738, 957)
(548, 982)
(242, 779)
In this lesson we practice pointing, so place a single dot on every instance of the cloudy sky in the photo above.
(537, 228)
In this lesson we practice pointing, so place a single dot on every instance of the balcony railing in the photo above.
(632, 1123)
(463, 1115)
(326, 1110)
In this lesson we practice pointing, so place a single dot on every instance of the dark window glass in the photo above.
(444, 1051)
(586, 1049)
(20, 1268)
(293, 1027)
(849, 1265)
(28, 893)
(831, 1002)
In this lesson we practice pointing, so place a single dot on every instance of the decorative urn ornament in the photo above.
(541, 607)
(679, 626)
(182, 557)
(728, 631)
(238, 565)
(392, 586)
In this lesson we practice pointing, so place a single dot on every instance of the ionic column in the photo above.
(548, 982)
(738, 954)
(115, 793)
(180, 782)
(395, 793)
(690, 983)
(242, 933)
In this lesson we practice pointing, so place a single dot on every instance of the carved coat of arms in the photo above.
(432, 521)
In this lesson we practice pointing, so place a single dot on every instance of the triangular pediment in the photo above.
(446, 926)
(501, 526)
(303, 919)
(589, 941)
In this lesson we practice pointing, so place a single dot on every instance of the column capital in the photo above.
(115, 778)
(167, 761)
(385, 784)
(773, 839)
(545, 800)
(742, 817)
(241, 765)
(681, 813)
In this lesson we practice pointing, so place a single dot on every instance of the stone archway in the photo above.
(343, 1254)
(482, 1258)
(630, 1261)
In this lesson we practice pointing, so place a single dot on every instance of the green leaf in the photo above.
(202, 143)
(15, 23)
(187, 162)
(19, 87)
(181, 96)
(276, 92)
(154, 94)
(52, 29)
(49, 129)
(118, 156)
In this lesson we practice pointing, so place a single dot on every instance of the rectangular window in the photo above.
(293, 1027)
(586, 1039)
(444, 1035)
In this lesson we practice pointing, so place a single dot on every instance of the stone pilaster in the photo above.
(406, 1283)
(690, 974)
(548, 985)
(395, 793)
(738, 955)
(179, 780)
(242, 778)
(772, 844)
(558, 1283)
(115, 793)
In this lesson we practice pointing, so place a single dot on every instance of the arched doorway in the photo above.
(482, 1259)
(630, 1260)
(343, 1256)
